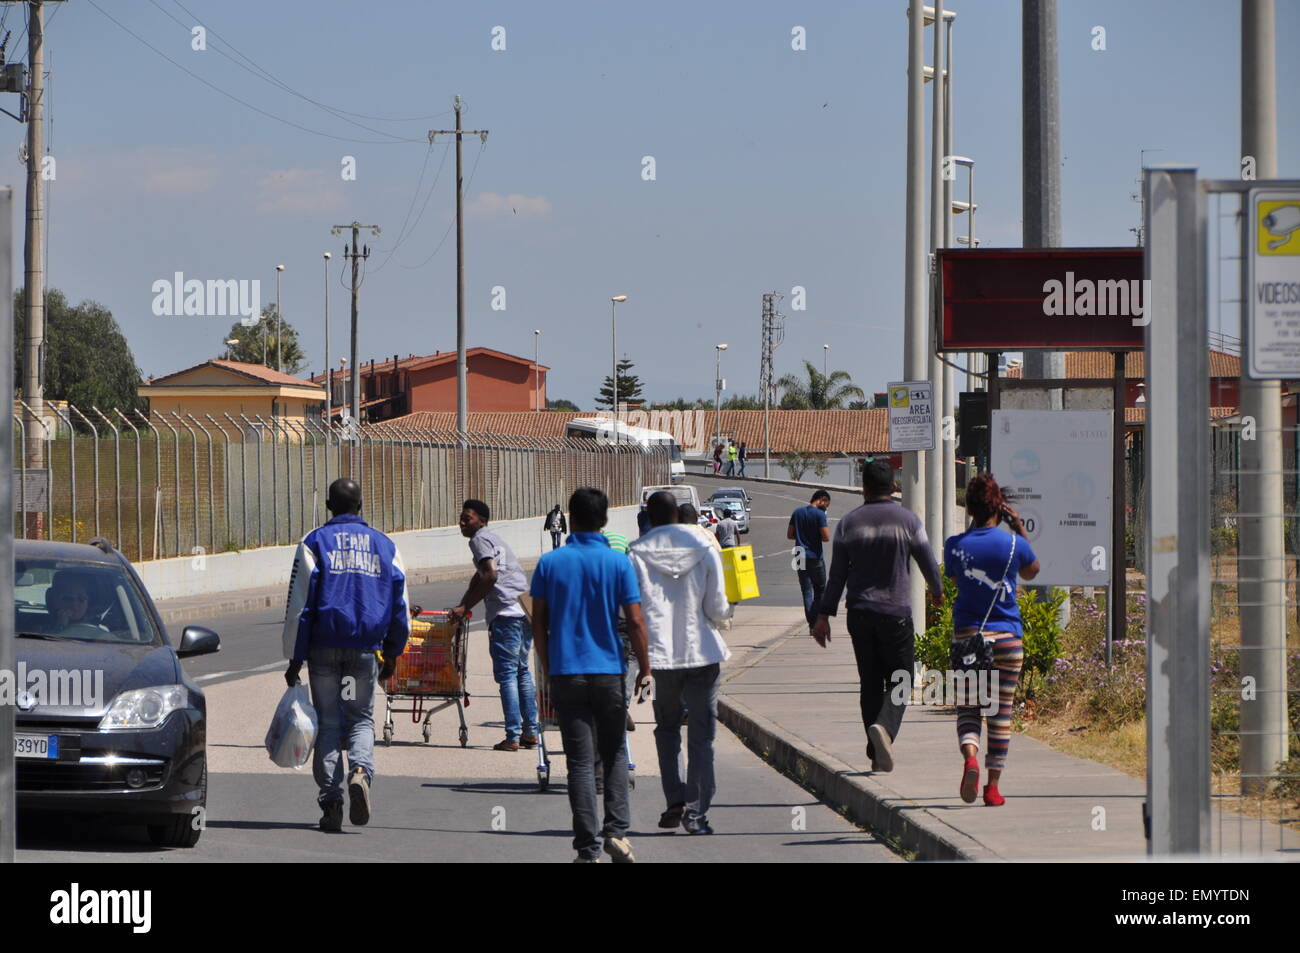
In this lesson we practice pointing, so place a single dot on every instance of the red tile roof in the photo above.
(1099, 364)
(259, 372)
(420, 362)
(813, 431)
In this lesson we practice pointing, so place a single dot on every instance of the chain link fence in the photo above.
(166, 485)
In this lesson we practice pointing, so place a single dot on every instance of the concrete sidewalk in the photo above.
(797, 705)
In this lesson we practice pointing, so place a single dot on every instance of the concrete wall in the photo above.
(441, 548)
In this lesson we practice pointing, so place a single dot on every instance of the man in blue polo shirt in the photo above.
(577, 592)
(809, 529)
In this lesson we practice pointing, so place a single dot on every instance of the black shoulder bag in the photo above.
(972, 653)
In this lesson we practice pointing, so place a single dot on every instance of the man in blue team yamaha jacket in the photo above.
(347, 600)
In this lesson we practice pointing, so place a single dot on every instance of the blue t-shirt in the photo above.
(808, 522)
(584, 583)
(977, 559)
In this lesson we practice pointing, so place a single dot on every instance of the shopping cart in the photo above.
(431, 668)
(546, 719)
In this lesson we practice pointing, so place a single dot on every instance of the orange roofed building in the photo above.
(219, 387)
(496, 382)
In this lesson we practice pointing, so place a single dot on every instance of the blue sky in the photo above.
(775, 168)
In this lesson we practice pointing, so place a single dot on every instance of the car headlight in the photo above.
(145, 707)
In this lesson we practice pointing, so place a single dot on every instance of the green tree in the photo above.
(742, 402)
(629, 387)
(253, 337)
(562, 405)
(819, 392)
(87, 359)
(796, 462)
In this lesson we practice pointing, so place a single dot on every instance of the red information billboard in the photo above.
(1041, 299)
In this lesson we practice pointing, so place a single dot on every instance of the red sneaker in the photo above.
(992, 797)
(970, 780)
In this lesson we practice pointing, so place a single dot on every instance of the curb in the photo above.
(867, 802)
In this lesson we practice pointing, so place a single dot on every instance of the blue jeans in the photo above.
(343, 693)
(812, 583)
(510, 640)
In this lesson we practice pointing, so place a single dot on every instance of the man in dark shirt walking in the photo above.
(869, 559)
(809, 529)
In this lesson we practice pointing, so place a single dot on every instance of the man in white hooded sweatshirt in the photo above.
(684, 600)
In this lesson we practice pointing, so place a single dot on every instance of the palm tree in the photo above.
(819, 392)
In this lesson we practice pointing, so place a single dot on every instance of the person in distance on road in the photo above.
(870, 557)
(684, 598)
(577, 593)
(347, 600)
(556, 525)
(809, 529)
(984, 562)
(499, 581)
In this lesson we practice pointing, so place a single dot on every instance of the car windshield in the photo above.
(79, 601)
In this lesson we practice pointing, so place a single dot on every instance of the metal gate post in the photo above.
(1178, 533)
(94, 436)
(117, 474)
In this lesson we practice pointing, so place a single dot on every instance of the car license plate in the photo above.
(36, 746)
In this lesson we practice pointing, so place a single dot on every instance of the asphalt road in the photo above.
(439, 801)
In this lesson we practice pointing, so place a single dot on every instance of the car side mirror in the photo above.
(197, 640)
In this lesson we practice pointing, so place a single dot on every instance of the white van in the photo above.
(684, 493)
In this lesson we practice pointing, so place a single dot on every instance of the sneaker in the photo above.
(970, 780)
(331, 819)
(672, 818)
(506, 745)
(528, 741)
(619, 850)
(358, 798)
(992, 796)
(883, 749)
(697, 825)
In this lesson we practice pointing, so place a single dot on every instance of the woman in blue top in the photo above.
(984, 561)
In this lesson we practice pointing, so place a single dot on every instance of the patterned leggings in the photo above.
(1008, 656)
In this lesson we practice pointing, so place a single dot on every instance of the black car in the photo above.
(107, 723)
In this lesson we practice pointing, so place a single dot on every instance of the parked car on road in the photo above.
(116, 729)
(736, 501)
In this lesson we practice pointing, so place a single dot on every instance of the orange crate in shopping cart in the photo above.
(429, 664)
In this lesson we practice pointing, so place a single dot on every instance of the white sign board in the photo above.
(911, 416)
(1054, 466)
(1273, 284)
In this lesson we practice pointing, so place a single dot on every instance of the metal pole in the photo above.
(462, 363)
(157, 472)
(34, 246)
(1261, 568)
(212, 503)
(537, 373)
(934, 499)
(72, 473)
(225, 477)
(948, 448)
(139, 519)
(94, 436)
(176, 440)
(117, 474)
(329, 374)
(8, 780)
(1118, 595)
(915, 335)
(48, 526)
(22, 488)
(1178, 531)
(261, 535)
(613, 364)
(243, 474)
(1041, 158)
(194, 493)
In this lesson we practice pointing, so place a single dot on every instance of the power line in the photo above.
(450, 224)
(403, 233)
(259, 73)
(244, 103)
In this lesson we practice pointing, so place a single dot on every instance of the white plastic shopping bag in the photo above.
(292, 734)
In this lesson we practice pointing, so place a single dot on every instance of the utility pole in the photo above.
(951, 522)
(356, 256)
(773, 335)
(462, 368)
(1041, 158)
(934, 501)
(33, 246)
(1261, 568)
(915, 336)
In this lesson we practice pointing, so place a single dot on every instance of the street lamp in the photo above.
(279, 320)
(329, 374)
(537, 386)
(826, 349)
(614, 302)
(717, 392)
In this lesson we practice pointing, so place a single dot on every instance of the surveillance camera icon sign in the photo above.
(1279, 228)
